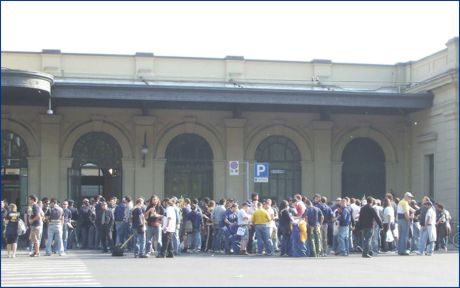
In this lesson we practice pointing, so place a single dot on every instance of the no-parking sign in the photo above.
(234, 168)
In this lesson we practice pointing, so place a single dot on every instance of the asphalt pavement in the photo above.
(93, 268)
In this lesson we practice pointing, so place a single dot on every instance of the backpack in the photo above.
(21, 228)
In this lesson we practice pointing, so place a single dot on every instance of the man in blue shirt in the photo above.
(67, 225)
(218, 224)
(320, 203)
(314, 218)
(344, 218)
(197, 219)
(139, 228)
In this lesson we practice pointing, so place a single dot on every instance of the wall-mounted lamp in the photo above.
(144, 150)
(49, 111)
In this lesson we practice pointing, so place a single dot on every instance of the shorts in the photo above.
(35, 233)
(11, 238)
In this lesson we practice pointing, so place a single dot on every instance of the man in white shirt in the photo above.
(168, 231)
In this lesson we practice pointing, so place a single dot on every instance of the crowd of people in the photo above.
(166, 228)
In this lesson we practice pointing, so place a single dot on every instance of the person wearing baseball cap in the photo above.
(404, 219)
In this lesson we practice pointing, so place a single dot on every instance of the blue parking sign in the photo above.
(260, 172)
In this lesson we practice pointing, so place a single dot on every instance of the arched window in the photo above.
(189, 168)
(283, 157)
(363, 170)
(96, 167)
(14, 169)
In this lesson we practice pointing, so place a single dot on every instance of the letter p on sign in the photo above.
(261, 172)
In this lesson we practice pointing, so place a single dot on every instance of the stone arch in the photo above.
(280, 130)
(194, 128)
(97, 126)
(26, 134)
(365, 132)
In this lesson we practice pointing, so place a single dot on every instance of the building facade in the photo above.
(76, 125)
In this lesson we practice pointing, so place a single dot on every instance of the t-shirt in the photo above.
(271, 212)
(55, 213)
(171, 219)
(260, 216)
(137, 214)
(388, 213)
(218, 215)
(36, 211)
(313, 215)
(430, 217)
(230, 216)
(13, 220)
(300, 207)
(403, 207)
(67, 215)
(327, 212)
(355, 209)
(241, 215)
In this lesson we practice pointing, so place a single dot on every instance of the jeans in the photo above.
(252, 231)
(105, 233)
(367, 238)
(376, 239)
(139, 248)
(175, 242)
(196, 239)
(167, 248)
(285, 239)
(324, 229)
(263, 239)
(430, 248)
(65, 236)
(422, 240)
(344, 240)
(415, 236)
(54, 232)
(84, 236)
(122, 232)
(403, 235)
(217, 241)
(153, 237)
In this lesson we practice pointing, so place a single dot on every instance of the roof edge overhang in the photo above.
(237, 95)
(21, 79)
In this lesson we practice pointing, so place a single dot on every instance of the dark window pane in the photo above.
(189, 167)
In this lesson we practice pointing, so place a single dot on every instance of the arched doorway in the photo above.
(14, 169)
(363, 171)
(283, 157)
(96, 167)
(189, 168)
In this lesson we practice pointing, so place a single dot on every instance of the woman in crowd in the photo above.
(11, 231)
(388, 223)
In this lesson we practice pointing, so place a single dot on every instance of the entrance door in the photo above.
(96, 167)
(14, 169)
(189, 168)
(363, 171)
(283, 157)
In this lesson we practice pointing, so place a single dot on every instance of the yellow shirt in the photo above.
(403, 207)
(260, 216)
